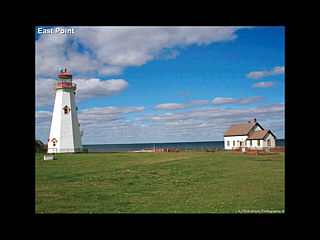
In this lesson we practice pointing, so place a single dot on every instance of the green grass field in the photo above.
(184, 182)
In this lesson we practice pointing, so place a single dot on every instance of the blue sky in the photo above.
(157, 73)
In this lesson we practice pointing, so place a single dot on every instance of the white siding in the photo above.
(255, 128)
(255, 144)
(272, 140)
(237, 139)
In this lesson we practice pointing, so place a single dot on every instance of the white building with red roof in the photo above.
(248, 135)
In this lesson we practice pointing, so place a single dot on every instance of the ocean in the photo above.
(182, 146)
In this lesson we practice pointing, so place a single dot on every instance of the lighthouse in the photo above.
(65, 128)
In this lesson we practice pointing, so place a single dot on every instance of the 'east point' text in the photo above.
(56, 30)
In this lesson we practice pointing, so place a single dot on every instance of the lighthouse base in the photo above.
(66, 150)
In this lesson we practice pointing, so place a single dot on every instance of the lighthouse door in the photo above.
(54, 145)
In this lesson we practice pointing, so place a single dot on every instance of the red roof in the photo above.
(65, 75)
(260, 134)
(243, 129)
(240, 129)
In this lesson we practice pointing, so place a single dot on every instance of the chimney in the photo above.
(255, 120)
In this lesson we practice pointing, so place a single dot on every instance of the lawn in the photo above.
(184, 182)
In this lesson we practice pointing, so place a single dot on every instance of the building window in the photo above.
(234, 143)
(250, 143)
(258, 142)
(269, 142)
(228, 143)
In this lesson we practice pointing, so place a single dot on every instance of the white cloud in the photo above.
(221, 101)
(43, 115)
(263, 85)
(92, 120)
(105, 51)
(240, 101)
(198, 102)
(94, 115)
(194, 125)
(42, 130)
(250, 100)
(86, 88)
(260, 74)
(95, 87)
(112, 110)
(134, 46)
(170, 106)
(227, 115)
(108, 50)
(110, 70)
(108, 124)
(44, 92)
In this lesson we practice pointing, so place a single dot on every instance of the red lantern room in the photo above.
(65, 79)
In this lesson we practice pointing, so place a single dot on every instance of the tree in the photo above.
(39, 146)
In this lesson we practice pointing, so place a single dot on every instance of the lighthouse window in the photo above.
(66, 110)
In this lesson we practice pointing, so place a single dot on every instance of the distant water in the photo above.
(213, 145)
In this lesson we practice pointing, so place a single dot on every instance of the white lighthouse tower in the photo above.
(65, 129)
